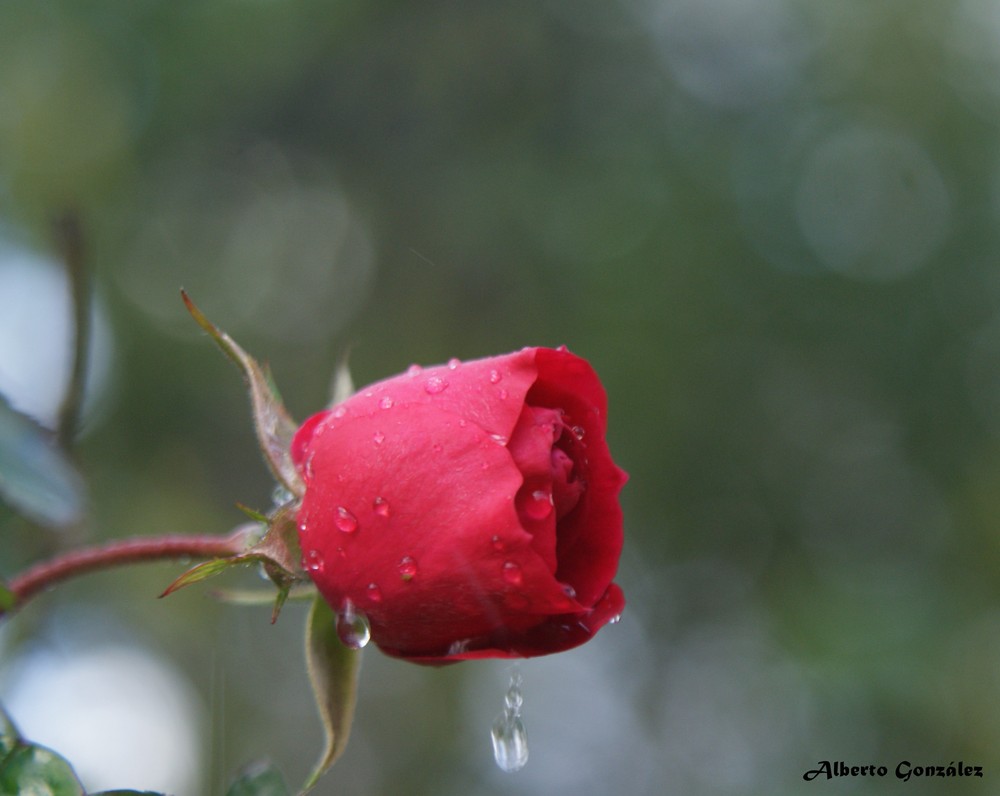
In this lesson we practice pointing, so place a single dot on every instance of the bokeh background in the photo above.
(770, 224)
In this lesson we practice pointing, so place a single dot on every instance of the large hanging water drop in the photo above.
(352, 626)
(510, 739)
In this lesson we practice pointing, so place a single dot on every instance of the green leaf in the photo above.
(31, 769)
(333, 672)
(128, 793)
(275, 428)
(36, 478)
(260, 779)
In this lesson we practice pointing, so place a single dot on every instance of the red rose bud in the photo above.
(468, 510)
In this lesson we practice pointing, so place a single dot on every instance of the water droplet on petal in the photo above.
(345, 521)
(569, 591)
(539, 504)
(512, 573)
(499, 439)
(352, 626)
(502, 394)
(435, 385)
(578, 431)
(495, 376)
(453, 363)
(374, 593)
(385, 403)
(498, 544)
(378, 437)
(339, 412)
(407, 568)
(313, 561)
(458, 647)
(381, 506)
(414, 370)
(510, 739)
(562, 349)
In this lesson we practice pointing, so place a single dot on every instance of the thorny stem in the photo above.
(124, 551)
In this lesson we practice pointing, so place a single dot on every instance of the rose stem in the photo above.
(124, 551)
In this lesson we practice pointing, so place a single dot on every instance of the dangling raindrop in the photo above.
(352, 626)
(510, 739)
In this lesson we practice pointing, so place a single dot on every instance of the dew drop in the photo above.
(414, 370)
(499, 439)
(378, 437)
(615, 619)
(352, 626)
(495, 377)
(453, 363)
(339, 412)
(512, 573)
(369, 393)
(435, 385)
(280, 495)
(498, 544)
(539, 504)
(313, 561)
(385, 403)
(407, 568)
(578, 432)
(502, 394)
(345, 521)
(374, 593)
(381, 506)
(459, 647)
(510, 739)
(569, 591)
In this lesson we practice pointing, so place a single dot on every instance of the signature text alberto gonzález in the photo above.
(904, 770)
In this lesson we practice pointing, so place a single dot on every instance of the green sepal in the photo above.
(259, 779)
(342, 385)
(333, 672)
(277, 552)
(275, 428)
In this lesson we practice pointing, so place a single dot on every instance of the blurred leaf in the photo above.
(30, 769)
(275, 428)
(252, 597)
(36, 478)
(7, 598)
(333, 672)
(260, 779)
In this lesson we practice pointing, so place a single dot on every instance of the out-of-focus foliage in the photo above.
(771, 225)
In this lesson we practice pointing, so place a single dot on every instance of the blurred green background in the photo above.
(770, 224)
